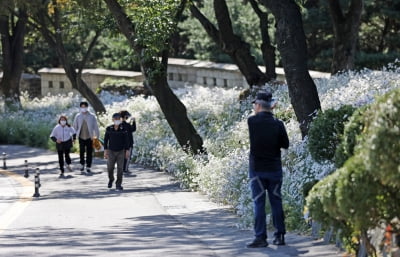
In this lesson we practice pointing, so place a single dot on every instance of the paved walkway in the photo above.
(80, 216)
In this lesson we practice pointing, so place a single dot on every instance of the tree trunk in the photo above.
(12, 41)
(293, 48)
(76, 78)
(267, 49)
(345, 28)
(230, 43)
(171, 106)
(73, 73)
(173, 109)
(79, 84)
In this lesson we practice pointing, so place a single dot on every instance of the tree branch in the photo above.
(336, 12)
(88, 52)
(165, 51)
(211, 30)
(223, 18)
(125, 24)
(355, 10)
(256, 9)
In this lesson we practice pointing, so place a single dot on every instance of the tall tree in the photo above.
(345, 28)
(54, 19)
(150, 41)
(13, 22)
(230, 43)
(293, 49)
(267, 49)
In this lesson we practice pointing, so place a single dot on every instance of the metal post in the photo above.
(26, 169)
(4, 160)
(37, 183)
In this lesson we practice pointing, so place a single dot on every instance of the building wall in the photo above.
(181, 72)
(55, 82)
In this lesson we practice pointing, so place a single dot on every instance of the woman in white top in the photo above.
(63, 135)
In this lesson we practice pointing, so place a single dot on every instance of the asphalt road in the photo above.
(79, 216)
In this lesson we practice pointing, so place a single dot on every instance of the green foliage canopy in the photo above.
(325, 131)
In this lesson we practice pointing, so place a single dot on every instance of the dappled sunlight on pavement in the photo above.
(152, 216)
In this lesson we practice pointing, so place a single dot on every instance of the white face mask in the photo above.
(63, 122)
(117, 122)
(83, 109)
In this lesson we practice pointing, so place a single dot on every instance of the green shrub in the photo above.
(23, 131)
(352, 134)
(365, 191)
(357, 195)
(294, 219)
(308, 186)
(122, 86)
(321, 202)
(375, 60)
(383, 141)
(325, 131)
(362, 199)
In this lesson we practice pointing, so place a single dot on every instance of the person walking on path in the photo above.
(86, 127)
(116, 149)
(130, 125)
(267, 137)
(64, 136)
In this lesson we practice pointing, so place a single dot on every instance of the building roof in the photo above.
(177, 62)
(202, 64)
(119, 73)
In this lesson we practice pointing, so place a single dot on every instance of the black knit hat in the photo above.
(116, 115)
(265, 98)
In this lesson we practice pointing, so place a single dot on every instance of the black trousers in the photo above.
(126, 161)
(85, 146)
(61, 155)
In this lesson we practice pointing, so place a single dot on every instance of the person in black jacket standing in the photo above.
(267, 137)
(130, 124)
(116, 149)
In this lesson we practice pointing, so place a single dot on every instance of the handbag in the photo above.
(97, 145)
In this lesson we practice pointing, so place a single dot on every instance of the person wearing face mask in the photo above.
(130, 125)
(64, 136)
(116, 149)
(86, 127)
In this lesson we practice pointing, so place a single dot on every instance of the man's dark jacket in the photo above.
(130, 127)
(267, 137)
(116, 139)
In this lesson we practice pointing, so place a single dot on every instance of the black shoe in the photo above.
(82, 168)
(257, 243)
(279, 240)
(110, 184)
(61, 174)
(88, 170)
(119, 188)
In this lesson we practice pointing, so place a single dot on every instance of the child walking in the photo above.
(63, 135)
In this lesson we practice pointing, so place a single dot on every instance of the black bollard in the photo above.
(26, 169)
(4, 160)
(37, 183)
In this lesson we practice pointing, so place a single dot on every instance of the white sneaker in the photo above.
(69, 168)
